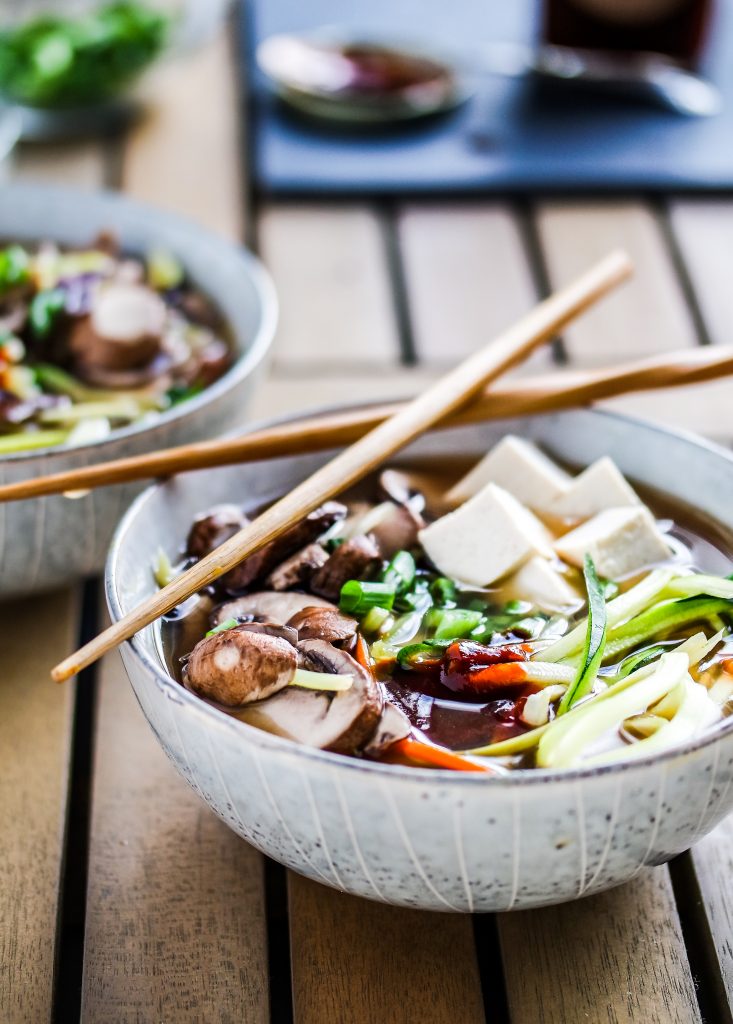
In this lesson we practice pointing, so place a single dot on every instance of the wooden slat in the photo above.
(288, 395)
(542, 948)
(648, 315)
(82, 164)
(338, 327)
(704, 233)
(175, 916)
(701, 408)
(467, 277)
(185, 154)
(329, 265)
(357, 962)
(35, 731)
(712, 859)
(617, 957)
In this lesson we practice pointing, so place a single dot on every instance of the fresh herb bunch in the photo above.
(56, 61)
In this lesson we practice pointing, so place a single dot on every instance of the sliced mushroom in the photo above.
(13, 317)
(351, 560)
(297, 570)
(341, 723)
(271, 605)
(392, 726)
(273, 629)
(124, 328)
(238, 666)
(262, 562)
(397, 529)
(214, 527)
(319, 623)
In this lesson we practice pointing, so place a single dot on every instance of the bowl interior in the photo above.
(684, 468)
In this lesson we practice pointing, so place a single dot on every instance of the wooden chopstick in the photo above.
(444, 397)
(562, 390)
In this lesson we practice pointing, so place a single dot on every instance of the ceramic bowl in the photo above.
(52, 541)
(414, 837)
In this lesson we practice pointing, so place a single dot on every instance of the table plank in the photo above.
(176, 918)
(617, 957)
(700, 408)
(186, 152)
(467, 276)
(336, 306)
(35, 739)
(286, 395)
(330, 267)
(703, 229)
(572, 235)
(712, 861)
(646, 316)
(82, 164)
(357, 962)
(36, 722)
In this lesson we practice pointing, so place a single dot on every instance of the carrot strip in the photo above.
(435, 756)
(362, 654)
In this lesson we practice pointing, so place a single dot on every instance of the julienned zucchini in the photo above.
(595, 639)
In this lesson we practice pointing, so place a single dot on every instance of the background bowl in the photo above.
(414, 837)
(51, 541)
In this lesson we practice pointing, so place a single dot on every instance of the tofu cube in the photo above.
(541, 583)
(520, 468)
(487, 537)
(602, 485)
(620, 541)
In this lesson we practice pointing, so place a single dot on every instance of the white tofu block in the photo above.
(520, 468)
(619, 540)
(489, 536)
(602, 485)
(541, 583)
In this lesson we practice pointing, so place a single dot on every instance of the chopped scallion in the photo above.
(358, 597)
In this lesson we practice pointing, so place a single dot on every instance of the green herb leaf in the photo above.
(44, 311)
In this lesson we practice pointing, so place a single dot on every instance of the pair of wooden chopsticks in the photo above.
(316, 433)
(561, 390)
(446, 397)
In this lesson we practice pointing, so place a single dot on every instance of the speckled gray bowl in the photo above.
(414, 837)
(54, 540)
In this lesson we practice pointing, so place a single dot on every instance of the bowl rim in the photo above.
(246, 361)
(290, 748)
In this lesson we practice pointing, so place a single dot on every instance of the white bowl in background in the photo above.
(47, 542)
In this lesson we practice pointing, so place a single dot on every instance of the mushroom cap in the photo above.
(352, 560)
(238, 665)
(124, 328)
(262, 562)
(354, 713)
(273, 605)
(323, 623)
(214, 527)
(297, 570)
(393, 725)
(397, 529)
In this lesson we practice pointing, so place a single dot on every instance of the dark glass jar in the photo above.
(675, 28)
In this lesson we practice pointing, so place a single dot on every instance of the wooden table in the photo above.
(122, 898)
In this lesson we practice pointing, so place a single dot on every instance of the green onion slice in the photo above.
(358, 597)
